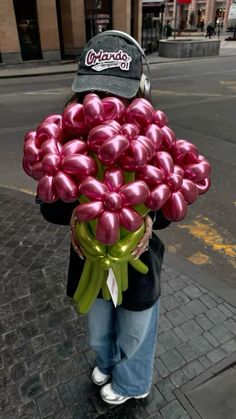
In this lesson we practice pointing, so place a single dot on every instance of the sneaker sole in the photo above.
(123, 401)
(101, 383)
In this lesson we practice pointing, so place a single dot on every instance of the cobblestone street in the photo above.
(45, 362)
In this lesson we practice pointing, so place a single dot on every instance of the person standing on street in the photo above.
(209, 30)
(123, 337)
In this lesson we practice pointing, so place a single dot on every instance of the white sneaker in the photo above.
(109, 396)
(98, 377)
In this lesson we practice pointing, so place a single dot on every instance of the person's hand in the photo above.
(74, 241)
(144, 242)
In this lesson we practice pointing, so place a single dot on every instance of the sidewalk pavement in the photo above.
(38, 68)
(45, 361)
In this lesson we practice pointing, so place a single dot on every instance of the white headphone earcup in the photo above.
(148, 88)
(145, 86)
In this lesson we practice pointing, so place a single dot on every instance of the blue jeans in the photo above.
(125, 344)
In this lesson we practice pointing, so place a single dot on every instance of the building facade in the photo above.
(52, 30)
(198, 13)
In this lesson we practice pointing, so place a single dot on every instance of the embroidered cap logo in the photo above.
(103, 60)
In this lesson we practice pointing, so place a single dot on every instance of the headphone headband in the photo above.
(145, 84)
(125, 36)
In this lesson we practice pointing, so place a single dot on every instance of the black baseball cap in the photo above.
(109, 63)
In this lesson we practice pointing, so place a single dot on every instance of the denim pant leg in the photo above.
(101, 325)
(136, 338)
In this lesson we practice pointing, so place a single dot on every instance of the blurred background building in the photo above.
(54, 30)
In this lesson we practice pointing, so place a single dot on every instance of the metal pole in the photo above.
(175, 19)
(162, 13)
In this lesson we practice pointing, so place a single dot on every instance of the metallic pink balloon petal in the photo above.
(112, 149)
(130, 219)
(55, 119)
(47, 130)
(113, 178)
(98, 135)
(51, 163)
(50, 146)
(37, 170)
(30, 135)
(174, 181)
(65, 187)
(179, 170)
(155, 134)
(75, 146)
(93, 189)
(114, 124)
(89, 211)
(31, 152)
(93, 110)
(197, 171)
(46, 191)
(201, 158)
(113, 108)
(151, 175)
(79, 165)
(158, 197)
(135, 157)
(140, 112)
(108, 228)
(189, 191)
(73, 120)
(164, 161)
(184, 152)
(27, 166)
(147, 142)
(112, 201)
(175, 208)
(134, 193)
(168, 139)
(160, 118)
(129, 130)
(50, 127)
(138, 152)
(203, 186)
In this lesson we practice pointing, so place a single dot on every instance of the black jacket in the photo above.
(144, 289)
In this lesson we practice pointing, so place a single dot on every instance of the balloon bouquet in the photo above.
(120, 161)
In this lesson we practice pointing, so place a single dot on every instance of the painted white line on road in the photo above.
(25, 128)
(27, 191)
(205, 95)
(190, 75)
(44, 93)
(58, 91)
(172, 92)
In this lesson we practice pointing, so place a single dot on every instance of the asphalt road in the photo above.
(199, 98)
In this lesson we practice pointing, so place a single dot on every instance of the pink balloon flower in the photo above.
(128, 148)
(169, 190)
(112, 202)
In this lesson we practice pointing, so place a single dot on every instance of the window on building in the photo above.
(27, 25)
(98, 16)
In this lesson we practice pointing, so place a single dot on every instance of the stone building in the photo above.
(191, 15)
(53, 30)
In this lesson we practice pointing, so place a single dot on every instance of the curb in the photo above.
(167, 61)
(214, 371)
(15, 76)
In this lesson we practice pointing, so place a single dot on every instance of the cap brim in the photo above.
(119, 86)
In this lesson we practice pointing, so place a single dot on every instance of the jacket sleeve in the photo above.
(159, 221)
(57, 213)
